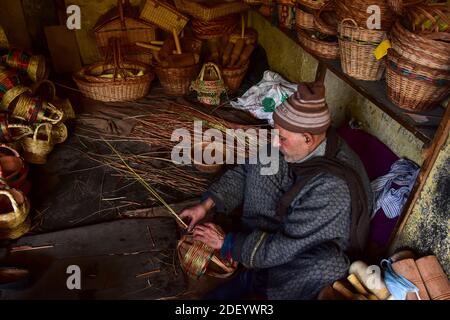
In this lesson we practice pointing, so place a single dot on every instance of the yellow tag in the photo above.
(382, 49)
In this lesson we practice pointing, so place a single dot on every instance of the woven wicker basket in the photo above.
(209, 85)
(35, 66)
(214, 28)
(17, 232)
(207, 12)
(15, 208)
(233, 77)
(429, 17)
(32, 109)
(357, 10)
(197, 259)
(9, 98)
(419, 49)
(323, 49)
(163, 15)
(304, 19)
(325, 20)
(356, 49)
(66, 107)
(415, 87)
(121, 86)
(59, 133)
(176, 81)
(12, 132)
(397, 6)
(312, 4)
(37, 147)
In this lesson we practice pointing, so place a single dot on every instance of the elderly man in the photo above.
(301, 224)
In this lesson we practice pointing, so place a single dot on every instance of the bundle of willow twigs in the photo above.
(156, 128)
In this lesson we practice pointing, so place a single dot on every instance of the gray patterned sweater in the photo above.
(299, 255)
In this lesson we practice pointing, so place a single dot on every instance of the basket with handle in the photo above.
(15, 208)
(412, 86)
(59, 133)
(37, 147)
(32, 109)
(10, 87)
(163, 15)
(34, 66)
(233, 77)
(113, 79)
(209, 85)
(210, 11)
(325, 20)
(198, 259)
(356, 46)
(12, 132)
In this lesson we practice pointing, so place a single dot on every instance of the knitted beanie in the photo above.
(304, 111)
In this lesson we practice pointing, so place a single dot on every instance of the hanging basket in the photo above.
(209, 85)
(34, 66)
(32, 109)
(357, 47)
(414, 87)
(197, 259)
(59, 133)
(12, 132)
(114, 79)
(37, 148)
(321, 48)
(14, 207)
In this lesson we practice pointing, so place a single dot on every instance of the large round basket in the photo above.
(356, 46)
(197, 259)
(414, 87)
(128, 88)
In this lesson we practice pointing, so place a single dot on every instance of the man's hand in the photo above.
(210, 234)
(197, 213)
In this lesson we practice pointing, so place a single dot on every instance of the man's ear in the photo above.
(308, 138)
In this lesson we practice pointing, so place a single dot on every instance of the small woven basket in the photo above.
(12, 132)
(32, 109)
(37, 147)
(34, 66)
(17, 232)
(14, 208)
(233, 77)
(414, 87)
(197, 259)
(66, 107)
(356, 50)
(176, 81)
(209, 85)
(323, 49)
(59, 133)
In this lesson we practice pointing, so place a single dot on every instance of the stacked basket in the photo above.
(316, 27)
(418, 68)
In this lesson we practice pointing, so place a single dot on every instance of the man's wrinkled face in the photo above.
(291, 144)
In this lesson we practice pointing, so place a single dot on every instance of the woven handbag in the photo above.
(37, 147)
(209, 85)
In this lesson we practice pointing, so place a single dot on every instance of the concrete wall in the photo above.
(427, 229)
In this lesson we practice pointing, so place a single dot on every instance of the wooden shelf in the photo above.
(423, 125)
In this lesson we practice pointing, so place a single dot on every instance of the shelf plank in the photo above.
(422, 124)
